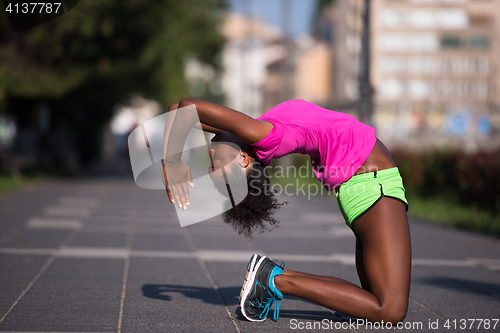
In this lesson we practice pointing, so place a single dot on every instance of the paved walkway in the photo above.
(101, 255)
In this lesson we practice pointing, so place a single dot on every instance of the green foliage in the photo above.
(104, 51)
(140, 45)
(467, 185)
(321, 6)
(12, 183)
(470, 179)
(8, 183)
(443, 210)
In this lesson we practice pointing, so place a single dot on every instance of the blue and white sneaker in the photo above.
(258, 291)
(250, 267)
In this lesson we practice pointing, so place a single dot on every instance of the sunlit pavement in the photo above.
(102, 255)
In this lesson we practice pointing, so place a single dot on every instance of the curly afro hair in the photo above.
(259, 206)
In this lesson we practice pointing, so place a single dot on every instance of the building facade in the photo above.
(263, 67)
(251, 47)
(435, 67)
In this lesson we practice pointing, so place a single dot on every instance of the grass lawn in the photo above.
(10, 183)
(444, 211)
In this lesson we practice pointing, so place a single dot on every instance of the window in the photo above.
(424, 42)
(392, 18)
(450, 42)
(453, 1)
(393, 42)
(421, 65)
(478, 66)
(476, 90)
(423, 19)
(482, 90)
(419, 89)
(476, 42)
(479, 42)
(453, 19)
(474, 66)
(423, 1)
(416, 42)
(447, 66)
(393, 65)
(391, 89)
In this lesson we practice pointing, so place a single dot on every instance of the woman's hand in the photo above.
(176, 176)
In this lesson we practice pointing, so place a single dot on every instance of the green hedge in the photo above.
(469, 179)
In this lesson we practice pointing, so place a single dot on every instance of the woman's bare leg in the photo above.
(290, 273)
(384, 264)
(360, 265)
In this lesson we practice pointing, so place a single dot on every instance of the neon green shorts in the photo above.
(361, 192)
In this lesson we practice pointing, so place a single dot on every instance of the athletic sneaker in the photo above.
(258, 292)
(251, 265)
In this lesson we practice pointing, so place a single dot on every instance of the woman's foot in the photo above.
(258, 291)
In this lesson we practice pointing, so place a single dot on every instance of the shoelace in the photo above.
(270, 299)
(267, 306)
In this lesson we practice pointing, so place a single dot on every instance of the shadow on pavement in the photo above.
(470, 286)
(231, 297)
(207, 295)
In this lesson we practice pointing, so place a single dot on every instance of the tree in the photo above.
(103, 51)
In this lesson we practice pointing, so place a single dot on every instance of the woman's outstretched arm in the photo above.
(213, 117)
(217, 117)
(206, 128)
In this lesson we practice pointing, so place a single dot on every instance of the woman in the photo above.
(346, 157)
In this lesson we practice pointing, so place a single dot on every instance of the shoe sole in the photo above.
(251, 264)
(252, 268)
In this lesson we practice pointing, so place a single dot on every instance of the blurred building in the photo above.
(308, 71)
(313, 73)
(251, 47)
(341, 27)
(263, 68)
(434, 66)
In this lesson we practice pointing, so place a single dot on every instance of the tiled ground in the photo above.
(102, 255)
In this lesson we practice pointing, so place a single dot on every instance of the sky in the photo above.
(270, 11)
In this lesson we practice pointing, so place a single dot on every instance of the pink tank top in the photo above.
(337, 143)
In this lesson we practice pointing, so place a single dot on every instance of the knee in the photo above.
(394, 313)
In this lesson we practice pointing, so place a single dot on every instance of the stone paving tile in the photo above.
(230, 243)
(451, 298)
(479, 278)
(95, 239)
(73, 295)
(40, 238)
(172, 295)
(17, 207)
(16, 272)
(154, 242)
(435, 241)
